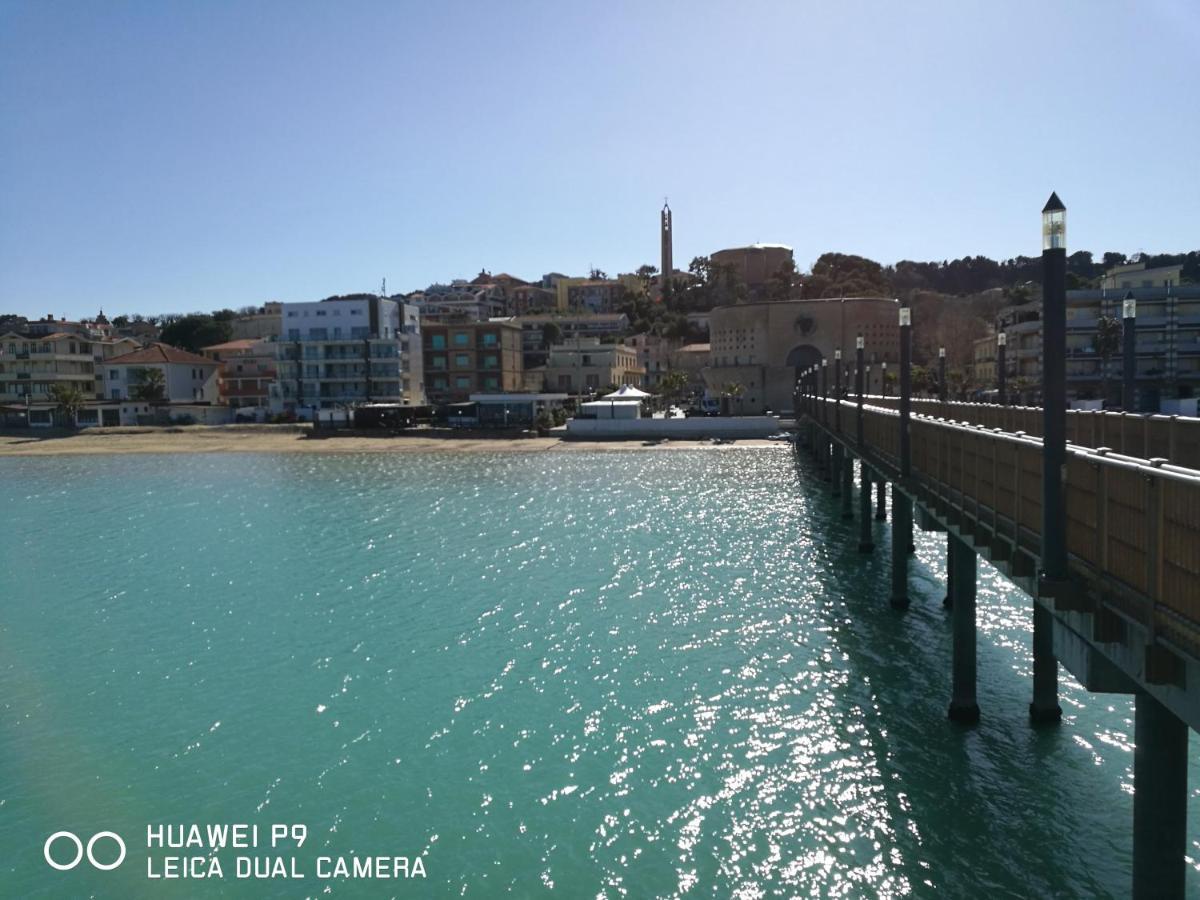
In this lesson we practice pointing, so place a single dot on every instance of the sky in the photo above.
(175, 156)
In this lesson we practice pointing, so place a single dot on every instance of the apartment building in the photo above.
(471, 357)
(31, 364)
(460, 301)
(247, 371)
(345, 351)
(1167, 347)
(585, 365)
(655, 355)
(538, 332)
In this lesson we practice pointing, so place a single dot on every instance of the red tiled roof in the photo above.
(160, 353)
(240, 344)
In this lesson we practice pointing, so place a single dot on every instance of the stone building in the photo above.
(763, 346)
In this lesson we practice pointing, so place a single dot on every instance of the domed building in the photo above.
(763, 346)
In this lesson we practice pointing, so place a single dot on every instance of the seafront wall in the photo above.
(682, 429)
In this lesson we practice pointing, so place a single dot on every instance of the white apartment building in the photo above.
(345, 351)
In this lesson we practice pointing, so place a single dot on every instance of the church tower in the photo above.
(668, 267)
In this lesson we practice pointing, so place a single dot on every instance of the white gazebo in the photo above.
(627, 392)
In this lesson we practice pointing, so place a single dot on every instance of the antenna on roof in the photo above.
(383, 288)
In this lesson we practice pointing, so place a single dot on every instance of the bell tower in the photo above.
(668, 267)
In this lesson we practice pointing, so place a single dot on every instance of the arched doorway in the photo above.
(801, 357)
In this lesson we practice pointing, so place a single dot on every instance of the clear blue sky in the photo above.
(173, 156)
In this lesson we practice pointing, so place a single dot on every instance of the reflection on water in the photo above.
(612, 674)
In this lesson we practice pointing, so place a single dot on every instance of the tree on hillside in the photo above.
(68, 400)
(783, 283)
(197, 330)
(846, 275)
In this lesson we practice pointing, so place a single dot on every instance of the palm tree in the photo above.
(1106, 341)
(151, 385)
(68, 400)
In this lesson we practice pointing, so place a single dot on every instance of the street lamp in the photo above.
(1129, 353)
(1001, 368)
(1044, 707)
(942, 374)
(859, 347)
(883, 385)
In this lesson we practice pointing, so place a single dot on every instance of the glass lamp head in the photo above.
(1129, 307)
(1054, 224)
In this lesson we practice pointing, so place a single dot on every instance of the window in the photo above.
(462, 360)
(593, 381)
(437, 341)
(462, 339)
(439, 384)
(291, 314)
(116, 393)
(438, 362)
(293, 334)
(462, 381)
(114, 374)
(491, 384)
(489, 340)
(321, 312)
(491, 361)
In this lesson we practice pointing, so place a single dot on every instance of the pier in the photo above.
(1122, 612)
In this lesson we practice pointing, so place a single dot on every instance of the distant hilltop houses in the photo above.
(740, 322)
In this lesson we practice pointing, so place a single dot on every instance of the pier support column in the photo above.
(948, 601)
(836, 461)
(881, 502)
(901, 541)
(847, 486)
(866, 540)
(1044, 708)
(963, 706)
(1160, 764)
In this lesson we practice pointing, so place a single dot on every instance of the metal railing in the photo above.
(1132, 520)
(1175, 438)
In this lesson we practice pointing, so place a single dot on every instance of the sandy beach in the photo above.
(295, 439)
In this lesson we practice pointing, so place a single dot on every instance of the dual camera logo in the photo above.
(81, 850)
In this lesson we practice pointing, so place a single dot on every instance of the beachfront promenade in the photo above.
(1124, 616)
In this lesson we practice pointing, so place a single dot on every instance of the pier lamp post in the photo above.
(905, 388)
(883, 385)
(942, 374)
(1044, 707)
(1001, 368)
(1129, 353)
(837, 389)
(859, 348)
(901, 504)
(824, 385)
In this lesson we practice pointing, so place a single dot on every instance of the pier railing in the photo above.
(1133, 524)
(1176, 438)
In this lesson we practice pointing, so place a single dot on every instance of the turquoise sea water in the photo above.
(617, 674)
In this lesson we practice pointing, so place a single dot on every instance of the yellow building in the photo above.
(586, 365)
(30, 365)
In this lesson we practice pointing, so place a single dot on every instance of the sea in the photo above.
(644, 673)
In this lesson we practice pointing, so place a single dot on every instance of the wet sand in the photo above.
(295, 439)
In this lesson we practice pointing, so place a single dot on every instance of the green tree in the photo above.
(195, 331)
(1106, 341)
(673, 384)
(150, 385)
(551, 335)
(68, 400)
